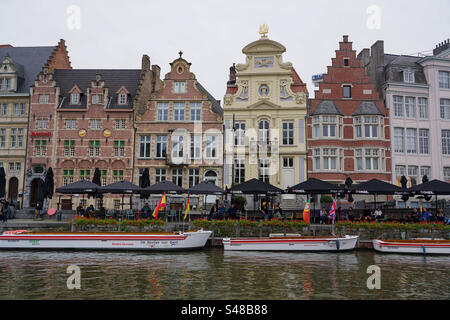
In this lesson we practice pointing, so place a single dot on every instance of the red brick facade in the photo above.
(348, 128)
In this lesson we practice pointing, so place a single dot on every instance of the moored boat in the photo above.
(22, 239)
(291, 242)
(423, 246)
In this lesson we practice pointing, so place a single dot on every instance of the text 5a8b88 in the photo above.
(247, 309)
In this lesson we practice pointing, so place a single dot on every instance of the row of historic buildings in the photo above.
(373, 115)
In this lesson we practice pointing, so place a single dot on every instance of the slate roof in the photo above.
(367, 108)
(113, 80)
(215, 103)
(327, 107)
(30, 61)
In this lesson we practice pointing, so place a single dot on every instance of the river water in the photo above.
(212, 273)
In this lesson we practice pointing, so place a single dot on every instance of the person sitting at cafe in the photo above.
(146, 211)
(90, 211)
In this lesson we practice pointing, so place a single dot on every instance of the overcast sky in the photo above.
(115, 34)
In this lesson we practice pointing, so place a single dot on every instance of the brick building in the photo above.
(81, 120)
(179, 133)
(19, 68)
(348, 124)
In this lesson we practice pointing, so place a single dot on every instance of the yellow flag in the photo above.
(188, 207)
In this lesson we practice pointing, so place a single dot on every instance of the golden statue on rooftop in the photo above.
(263, 30)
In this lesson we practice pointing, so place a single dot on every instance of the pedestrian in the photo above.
(323, 215)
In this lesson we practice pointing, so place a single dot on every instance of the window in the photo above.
(424, 141)
(179, 87)
(123, 98)
(239, 133)
(161, 146)
(44, 98)
(178, 111)
(120, 124)
(117, 175)
(177, 177)
(75, 98)
(95, 124)
(119, 148)
(264, 170)
(239, 171)
(67, 176)
(42, 124)
(71, 123)
(94, 148)
(177, 146)
(398, 106)
(196, 111)
(399, 142)
(96, 99)
(423, 108)
(163, 111)
(371, 127)
(288, 133)
(445, 109)
(211, 147)
(196, 146)
(347, 91)
(144, 146)
(160, 175)
(263, 132)
(103, 177)
(411, 140)
(85, 174)
(2, 138)
(194, 177)
(40, 147)
(410, 107)
(445, 139)
(408, 76)
(69, 148)
(444, 80)
(447, 174)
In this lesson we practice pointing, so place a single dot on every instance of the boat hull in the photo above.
(413, 247)
(291, 244)
(105, 241)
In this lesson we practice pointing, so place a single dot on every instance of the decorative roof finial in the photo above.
(180, 53)
(263, 30)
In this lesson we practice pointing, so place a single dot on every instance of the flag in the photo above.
(306, 211)
(188, 207)
(161, 204)
(333, 210)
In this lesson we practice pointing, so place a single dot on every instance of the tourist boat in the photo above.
(23, 239)
(291, 242)
(423, 246)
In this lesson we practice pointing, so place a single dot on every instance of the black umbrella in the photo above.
(206, 187)
(49, 183)
(2, 182)
(164, 187)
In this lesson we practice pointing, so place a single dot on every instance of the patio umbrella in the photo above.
(2, 182)
(206, 187)
(164, 187)
(49, 183)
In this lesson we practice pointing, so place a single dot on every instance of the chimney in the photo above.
(145, 66)
(441, 47)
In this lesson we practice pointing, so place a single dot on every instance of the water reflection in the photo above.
(215, 274)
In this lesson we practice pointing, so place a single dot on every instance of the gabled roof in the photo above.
(215, 104)
(113, 80)
(326, 107)
(30, 60)
(367, 108)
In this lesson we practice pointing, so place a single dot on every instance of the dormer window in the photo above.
(75, 98)
(122, 98)
(408, 76)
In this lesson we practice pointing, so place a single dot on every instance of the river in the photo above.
(212, 273)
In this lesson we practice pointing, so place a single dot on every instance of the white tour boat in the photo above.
(22, 239)
(423, 246)
(291, 242)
